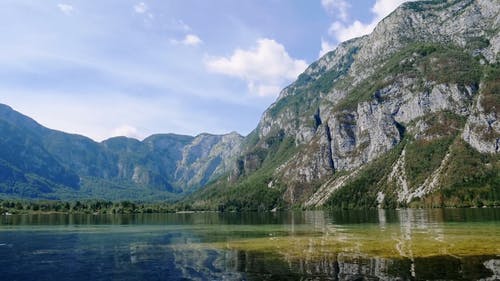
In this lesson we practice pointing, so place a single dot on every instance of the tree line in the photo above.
(13, 206)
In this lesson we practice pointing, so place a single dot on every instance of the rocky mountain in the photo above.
(407, 115)
(44, 163)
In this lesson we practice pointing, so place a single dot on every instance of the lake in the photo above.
(436, 244)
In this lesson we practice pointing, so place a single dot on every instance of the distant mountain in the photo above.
(405, 116)
(37, 162)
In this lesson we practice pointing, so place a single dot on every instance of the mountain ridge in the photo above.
(150, 164)
(404, 116)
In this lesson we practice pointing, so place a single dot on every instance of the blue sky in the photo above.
(135, 68)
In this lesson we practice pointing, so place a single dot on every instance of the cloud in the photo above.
(266, 67)
(66, 9)
(337, 7)
(141, 8)
(382, 8)
(189, 40)
(326, 47)
(345, 32)
(126, 131)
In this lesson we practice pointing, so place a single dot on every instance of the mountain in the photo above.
(37, 162)
(405, 116)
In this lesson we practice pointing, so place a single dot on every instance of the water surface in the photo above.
(450, 244)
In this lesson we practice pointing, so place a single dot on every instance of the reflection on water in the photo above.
(407, 229)
(459, 244)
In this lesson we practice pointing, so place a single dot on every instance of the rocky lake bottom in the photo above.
(434, 244)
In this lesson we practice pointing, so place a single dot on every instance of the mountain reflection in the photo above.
(357, 265)
(315, 245)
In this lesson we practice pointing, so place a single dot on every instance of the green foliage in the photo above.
(296, 102)
(116, 190)
(14, 206)
(442, 124)
(477, 43)
(490, 91)
(361, 192)
(423, 156)
(472, 178)
(252, 139)
(450, 65)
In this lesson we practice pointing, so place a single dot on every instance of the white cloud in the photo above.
(345, 32)
(189, 40)
(383, 8)
(126, 131)
(380, 9)
(326, 47)
(266, 67)
(66, 9)
(141, 8)
(337, 7)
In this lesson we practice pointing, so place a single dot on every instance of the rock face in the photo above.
(482, 129)
(39, 162)
(206, 158)
(427, 63)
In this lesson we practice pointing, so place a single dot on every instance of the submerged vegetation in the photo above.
(374, 241)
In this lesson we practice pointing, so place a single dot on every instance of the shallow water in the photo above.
(451, 244)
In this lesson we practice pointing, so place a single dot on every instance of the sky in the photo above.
(105, 68)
